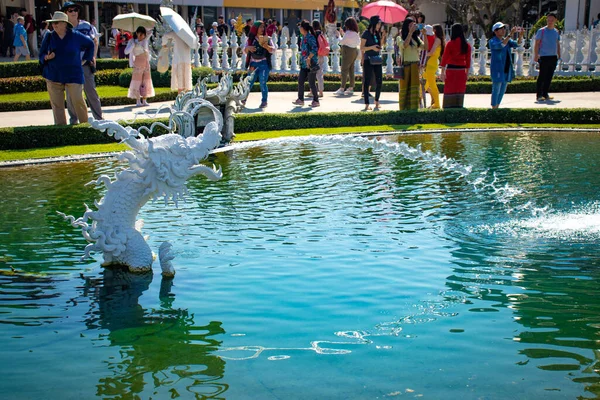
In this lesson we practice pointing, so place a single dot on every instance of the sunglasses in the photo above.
(72, 10)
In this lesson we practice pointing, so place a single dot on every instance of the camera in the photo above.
(420, 26)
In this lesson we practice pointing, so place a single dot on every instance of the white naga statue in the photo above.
(157, 168)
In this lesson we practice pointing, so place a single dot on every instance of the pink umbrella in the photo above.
(388, 11)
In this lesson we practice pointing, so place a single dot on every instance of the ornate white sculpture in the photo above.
(158, 167)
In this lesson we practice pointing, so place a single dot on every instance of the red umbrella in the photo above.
(388, 11)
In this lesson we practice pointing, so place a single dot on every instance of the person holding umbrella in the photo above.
(184, 40)
(141, 86)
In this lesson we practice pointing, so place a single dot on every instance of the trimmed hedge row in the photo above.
(32, 68)
(24, 84)
(269, 122)
(52, 136)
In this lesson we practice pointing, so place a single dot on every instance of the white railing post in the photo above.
(234, 50)
(205, 62)
(294, 47)
(389, 49)
(224, 56)
(274, 64)
(215, 47)
(471, 41)
(483, 55)
(334, 53)
(284, 53)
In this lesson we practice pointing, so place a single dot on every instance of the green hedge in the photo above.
(19, 138)
(269, 122)
(30, 137)
(38, 83)
(32, 68)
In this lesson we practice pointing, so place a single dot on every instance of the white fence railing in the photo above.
(580, 54)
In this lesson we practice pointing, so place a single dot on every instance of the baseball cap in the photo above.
(215, 24)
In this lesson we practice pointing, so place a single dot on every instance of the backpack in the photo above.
(323, 46)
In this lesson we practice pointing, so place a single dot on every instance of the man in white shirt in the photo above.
(89, 87)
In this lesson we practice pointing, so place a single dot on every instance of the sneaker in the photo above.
(139, 103)
(145, 103)
(549, 97)
(349, 92)
(339, 92)
(541, 98)
(298, 102)
(263, 104)
(315, 104)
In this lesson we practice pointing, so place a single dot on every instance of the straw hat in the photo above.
(60, 16)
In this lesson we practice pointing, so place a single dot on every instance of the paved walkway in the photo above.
(281, 102)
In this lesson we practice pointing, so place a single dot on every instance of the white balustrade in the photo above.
(580, 54)
(471, 41)
(234, 50)
(334, 53)
(483, 55)
(389, 49)
(224, 56)
(294, 47)
(205, 62)
(215, 51)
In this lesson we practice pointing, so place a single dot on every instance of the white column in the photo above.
(147, 9)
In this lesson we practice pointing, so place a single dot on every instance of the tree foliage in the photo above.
(482, 12)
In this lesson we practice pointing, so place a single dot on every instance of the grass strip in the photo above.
(103, 91)
(65, 151)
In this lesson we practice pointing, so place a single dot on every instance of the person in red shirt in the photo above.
(30, 28)
(271, 27)
(122, 39)
(455, 64)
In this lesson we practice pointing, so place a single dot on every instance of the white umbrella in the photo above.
(179, 26)
(131, 21)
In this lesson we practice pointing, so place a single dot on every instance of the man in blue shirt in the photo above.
(20, 40)
(89, 87)
(62, 66)
(547, 53)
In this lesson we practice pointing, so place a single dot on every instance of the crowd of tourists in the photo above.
(70, 44)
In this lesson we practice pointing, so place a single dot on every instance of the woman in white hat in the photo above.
(62, 66)
(502, 60)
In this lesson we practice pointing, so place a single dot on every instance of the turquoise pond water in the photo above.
(320, 269)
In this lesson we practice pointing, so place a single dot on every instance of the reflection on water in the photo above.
(162, 351)
(318, 269)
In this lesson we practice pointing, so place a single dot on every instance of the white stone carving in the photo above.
(157, 168)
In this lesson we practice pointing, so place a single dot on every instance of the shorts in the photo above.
(22, 51)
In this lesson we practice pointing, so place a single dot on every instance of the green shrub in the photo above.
(71, 135)
(267, 122)
(164, 79)
(32, 68)
(52, 136)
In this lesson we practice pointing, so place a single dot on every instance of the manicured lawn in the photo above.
(15, 155)
(103, 91)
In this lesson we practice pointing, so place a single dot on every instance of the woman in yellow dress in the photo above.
(433, 63)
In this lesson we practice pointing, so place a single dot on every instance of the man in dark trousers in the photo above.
(89, 68)
(546, 53)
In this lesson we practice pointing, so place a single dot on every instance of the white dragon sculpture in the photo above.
(157, 167)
